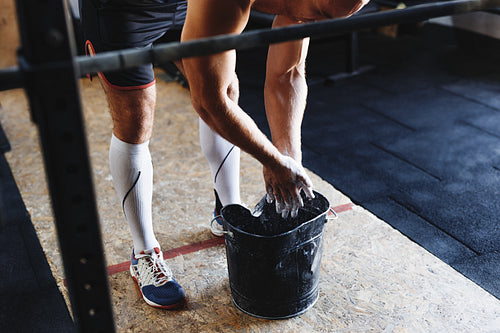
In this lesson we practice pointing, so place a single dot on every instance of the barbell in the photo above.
(12, 77)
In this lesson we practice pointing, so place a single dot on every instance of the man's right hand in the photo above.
(284, 183)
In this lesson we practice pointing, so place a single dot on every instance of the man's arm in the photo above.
(212, 80)
(286, 92)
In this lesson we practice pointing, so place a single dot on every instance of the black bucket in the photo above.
(274, 263)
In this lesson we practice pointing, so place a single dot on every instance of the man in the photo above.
(214, 86)
(119, 24)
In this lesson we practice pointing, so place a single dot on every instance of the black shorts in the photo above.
(122, 24)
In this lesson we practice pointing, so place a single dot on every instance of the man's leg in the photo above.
(132, 171)
(224, 160)
(132, 111)
(130, 160)
(131, 95)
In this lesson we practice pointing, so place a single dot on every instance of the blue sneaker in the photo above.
(155, 280)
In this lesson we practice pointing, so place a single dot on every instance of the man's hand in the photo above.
(283, 185)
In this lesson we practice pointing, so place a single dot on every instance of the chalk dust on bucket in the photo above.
(274, 262)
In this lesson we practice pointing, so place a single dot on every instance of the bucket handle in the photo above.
(335, 216)
(224, 232)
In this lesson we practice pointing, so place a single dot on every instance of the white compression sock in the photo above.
(132, 172)
(224, 160)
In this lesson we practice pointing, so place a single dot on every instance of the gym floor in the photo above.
(406, 154)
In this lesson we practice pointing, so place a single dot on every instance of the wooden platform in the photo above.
(372, 278)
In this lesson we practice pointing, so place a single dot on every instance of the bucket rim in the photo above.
(283, 233)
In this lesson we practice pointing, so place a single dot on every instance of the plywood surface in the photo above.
(372, 277)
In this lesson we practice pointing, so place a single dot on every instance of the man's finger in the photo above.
(270, 195)
(309, 192)
(296, 202)
(307, 189)
(280, 206)
(295, 208)
(288, 209)
(280, 200)
(300, 202)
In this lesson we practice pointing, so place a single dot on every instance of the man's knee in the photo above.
(132, 112)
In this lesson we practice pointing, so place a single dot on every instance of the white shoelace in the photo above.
(155, 270)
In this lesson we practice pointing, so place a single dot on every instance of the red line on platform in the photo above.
(206, 244)
(186, 249)
(342, 208)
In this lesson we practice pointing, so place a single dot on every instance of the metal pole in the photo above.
(114, 60)
(46, 59)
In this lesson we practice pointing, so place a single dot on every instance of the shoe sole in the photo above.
(153, 304)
